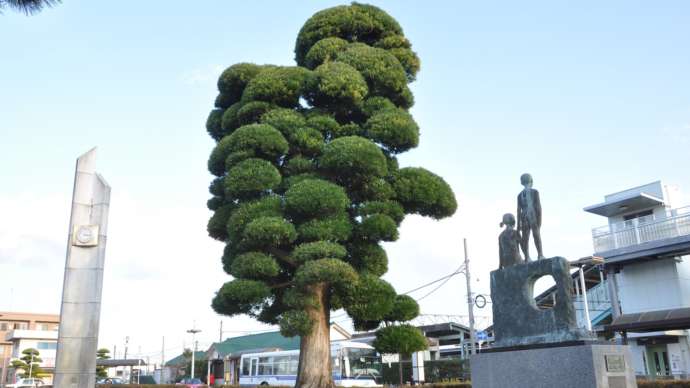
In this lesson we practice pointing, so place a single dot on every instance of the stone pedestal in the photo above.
(577, 364)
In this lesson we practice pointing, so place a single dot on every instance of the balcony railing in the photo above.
(642, 230)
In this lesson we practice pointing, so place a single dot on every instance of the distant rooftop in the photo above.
(272, 340)
(630, 200)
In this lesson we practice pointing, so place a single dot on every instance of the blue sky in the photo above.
(589, 97)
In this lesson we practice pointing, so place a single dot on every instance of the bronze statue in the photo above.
(509, 243)
(529, 216)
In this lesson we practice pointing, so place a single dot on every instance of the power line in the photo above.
(440, 285)
(457, 271)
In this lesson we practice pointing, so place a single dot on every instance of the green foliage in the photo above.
(269, 206)
(390, 208)
(295, 322)
(376, 104)
(252, 112)
(324, 124)
(307, 141)
(336, 228)
(324, 51)
(250, 178)
(315, 198)
(241, 296)
(369, 299)
(265, 232)
(383, 72)
(235, 78)
(362, 22)
(29, 362)
(299, 165)
(229, 120)
(403, 339)
(353, 157)
(369, 258)
(423, 192)
(318, 250)
(663, 383)
(332, 271)
(216, 224)
(254, 265)
(286, 121)
(102, 354)
(281, 86)
(213, 124)
(405, 308)
(307, 183)
(378, 227)
(395, 129)
(337, 86)
(262, 139)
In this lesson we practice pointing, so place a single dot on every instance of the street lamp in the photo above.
(193, 331)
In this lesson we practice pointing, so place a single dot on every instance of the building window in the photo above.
(47, 345)
(21, 325)
(3, 326)
(643, 214)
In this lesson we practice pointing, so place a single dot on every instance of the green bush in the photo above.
(663, 383)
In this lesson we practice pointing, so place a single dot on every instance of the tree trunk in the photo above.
(315, 347)
(400, 369)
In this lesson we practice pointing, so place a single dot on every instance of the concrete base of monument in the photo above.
(576, 364)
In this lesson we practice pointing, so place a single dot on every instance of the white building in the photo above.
(45, 341)
(646, 248)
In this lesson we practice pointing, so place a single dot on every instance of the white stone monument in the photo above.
(75, 364)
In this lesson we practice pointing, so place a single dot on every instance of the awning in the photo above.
(673, 319)
(625, 204)
(111, 363)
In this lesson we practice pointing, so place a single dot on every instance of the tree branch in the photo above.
(281, 285)
(282, 255)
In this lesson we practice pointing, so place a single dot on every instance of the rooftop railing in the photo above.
(641, 230)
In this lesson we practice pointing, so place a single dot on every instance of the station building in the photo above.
(645, 246)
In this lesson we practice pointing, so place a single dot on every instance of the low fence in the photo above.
(435, 371)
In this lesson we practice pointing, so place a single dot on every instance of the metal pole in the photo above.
(163, 357)
(470, 303)
(126, 344)
(584, 299)
(193, 331)
(208, 372)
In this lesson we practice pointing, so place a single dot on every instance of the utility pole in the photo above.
(470, 302)
(126, 345)
(115, 351)
(163, 355)
(220, 334)
(193, 330)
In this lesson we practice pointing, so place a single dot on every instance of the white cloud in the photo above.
(202, 75)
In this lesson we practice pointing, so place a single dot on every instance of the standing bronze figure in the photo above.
(529, 216)
(509, 243)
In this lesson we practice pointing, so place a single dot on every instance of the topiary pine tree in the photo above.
(29, 362)
(308, 184)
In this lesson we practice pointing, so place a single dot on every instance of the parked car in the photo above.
(191, 383)
(26, 383)
(111, 381)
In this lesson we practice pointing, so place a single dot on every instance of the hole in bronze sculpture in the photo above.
(541, 284)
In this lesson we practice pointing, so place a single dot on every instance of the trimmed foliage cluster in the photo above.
(307, 184)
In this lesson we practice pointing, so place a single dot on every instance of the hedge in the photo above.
(663, 383)
(640, 384)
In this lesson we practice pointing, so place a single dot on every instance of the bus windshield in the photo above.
(363, 363)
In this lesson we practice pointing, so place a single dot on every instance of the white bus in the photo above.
(354, 364)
